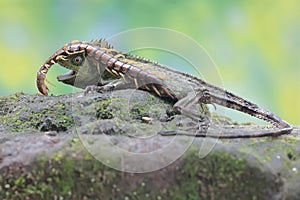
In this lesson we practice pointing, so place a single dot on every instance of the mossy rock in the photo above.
(68, 147)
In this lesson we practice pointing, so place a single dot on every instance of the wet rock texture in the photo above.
(105, 146)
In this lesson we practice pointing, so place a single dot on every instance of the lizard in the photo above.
(96, 65)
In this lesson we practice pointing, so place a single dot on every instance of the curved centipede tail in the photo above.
(40, 82)
(41, 75)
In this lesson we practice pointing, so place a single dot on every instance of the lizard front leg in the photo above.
(114, 85)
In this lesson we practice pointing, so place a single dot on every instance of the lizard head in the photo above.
(72, 60)
(82, 70)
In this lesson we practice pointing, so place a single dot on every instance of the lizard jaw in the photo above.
(68, 78)
(74, 78)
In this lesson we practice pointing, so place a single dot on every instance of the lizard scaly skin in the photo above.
(97, 62)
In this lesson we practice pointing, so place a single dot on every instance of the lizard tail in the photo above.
(229, 100)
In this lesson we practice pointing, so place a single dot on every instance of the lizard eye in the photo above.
(77, 60)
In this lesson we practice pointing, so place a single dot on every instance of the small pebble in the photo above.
(51, 133)
(147, 119)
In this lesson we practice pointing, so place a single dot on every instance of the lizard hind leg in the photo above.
(202, 97)
(190, 107)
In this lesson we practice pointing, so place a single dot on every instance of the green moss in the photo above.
(267, 150)
(58, 115)
(104, 109)
(76, 174)
(27, 119)
(61, 177)
(220, 175)
(138, 111)
(14, 121)
(214, 176)
(291, 140)
(124, 110)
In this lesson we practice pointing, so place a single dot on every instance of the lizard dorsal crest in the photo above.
(102, 43)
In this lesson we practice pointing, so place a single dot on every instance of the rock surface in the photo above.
(105, 146)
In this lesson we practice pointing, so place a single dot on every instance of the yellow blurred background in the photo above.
(255, 44)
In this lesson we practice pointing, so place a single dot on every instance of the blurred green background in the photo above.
(255, 44)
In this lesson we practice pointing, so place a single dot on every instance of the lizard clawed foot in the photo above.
(198, 130)
(171, 132)
(99, 89)
(180, 132)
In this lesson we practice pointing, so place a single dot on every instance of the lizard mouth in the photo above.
(74, 78)
(68, 78)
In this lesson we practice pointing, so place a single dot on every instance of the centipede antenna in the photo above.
(50, 82)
